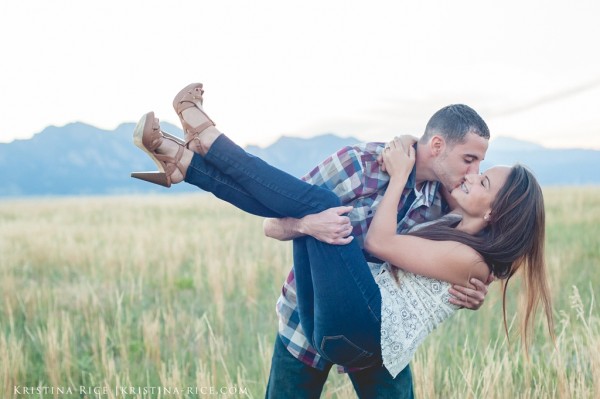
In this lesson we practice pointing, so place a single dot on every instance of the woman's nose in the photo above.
(472, 177)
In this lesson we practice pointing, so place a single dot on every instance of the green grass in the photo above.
(179, 291)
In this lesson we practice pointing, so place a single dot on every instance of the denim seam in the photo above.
(237, 165)
(363, 353)
(360, 287)
(218, 179)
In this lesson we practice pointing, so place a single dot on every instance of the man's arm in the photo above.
(344, 174)
(330, 226)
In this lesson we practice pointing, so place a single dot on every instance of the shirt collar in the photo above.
(412, 179)
(430, 190)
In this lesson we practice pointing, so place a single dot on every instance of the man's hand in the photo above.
(470, 297)
(330, 226)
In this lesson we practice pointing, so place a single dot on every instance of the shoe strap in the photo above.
(183, 105)
(172, 163)
(189, 100)
(194, 132)
(153, 140)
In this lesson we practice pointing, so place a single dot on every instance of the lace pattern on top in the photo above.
(412, 307)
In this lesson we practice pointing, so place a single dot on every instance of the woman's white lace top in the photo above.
(412, 306)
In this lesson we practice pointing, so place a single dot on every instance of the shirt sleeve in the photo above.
(351, 173)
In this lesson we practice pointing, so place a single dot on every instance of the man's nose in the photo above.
(473, 168)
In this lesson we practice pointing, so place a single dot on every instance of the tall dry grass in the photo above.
(116, 297)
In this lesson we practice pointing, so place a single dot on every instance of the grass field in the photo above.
(174, 296)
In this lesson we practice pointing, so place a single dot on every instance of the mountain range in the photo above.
(79, 159)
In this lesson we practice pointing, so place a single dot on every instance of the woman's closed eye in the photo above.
(485, 182)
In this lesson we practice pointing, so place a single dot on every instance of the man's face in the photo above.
(456, 161)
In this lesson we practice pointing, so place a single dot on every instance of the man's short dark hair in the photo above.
(453, 122)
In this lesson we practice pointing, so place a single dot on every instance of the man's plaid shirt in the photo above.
(354, 174)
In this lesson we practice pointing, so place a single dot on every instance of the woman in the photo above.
(351, 318)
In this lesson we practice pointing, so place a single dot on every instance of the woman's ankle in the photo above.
(170, 149)
(186, 160)
(202, 142)
(207, 138)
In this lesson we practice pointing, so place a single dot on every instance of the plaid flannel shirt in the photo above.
(354, 174)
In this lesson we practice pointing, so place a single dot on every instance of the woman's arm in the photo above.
(443, 260)
(448, 261)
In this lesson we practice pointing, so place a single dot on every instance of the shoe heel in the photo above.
(159, 178)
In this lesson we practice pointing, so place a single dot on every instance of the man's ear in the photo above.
(437, 144)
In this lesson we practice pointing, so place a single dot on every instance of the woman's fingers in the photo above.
(411, 152)
(407, 140)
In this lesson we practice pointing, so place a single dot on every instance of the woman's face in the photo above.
(476, 194)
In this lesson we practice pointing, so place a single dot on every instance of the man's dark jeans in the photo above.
(292, 379)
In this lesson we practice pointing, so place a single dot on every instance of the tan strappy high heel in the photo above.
(191, 96)
(148, 136)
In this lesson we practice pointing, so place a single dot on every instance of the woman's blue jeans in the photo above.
(339, 302)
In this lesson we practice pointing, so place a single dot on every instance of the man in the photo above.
(453, 145)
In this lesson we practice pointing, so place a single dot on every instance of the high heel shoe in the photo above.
(191, 96)
(148, 136)
(173, 138)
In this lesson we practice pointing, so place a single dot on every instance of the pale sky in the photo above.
(273, 67)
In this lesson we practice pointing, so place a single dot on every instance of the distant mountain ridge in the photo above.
(552, 167)
(79, 159)
(296, 155)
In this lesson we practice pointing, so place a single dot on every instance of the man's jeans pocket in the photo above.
(340, 350)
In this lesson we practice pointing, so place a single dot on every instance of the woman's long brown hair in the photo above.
(512, 240)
